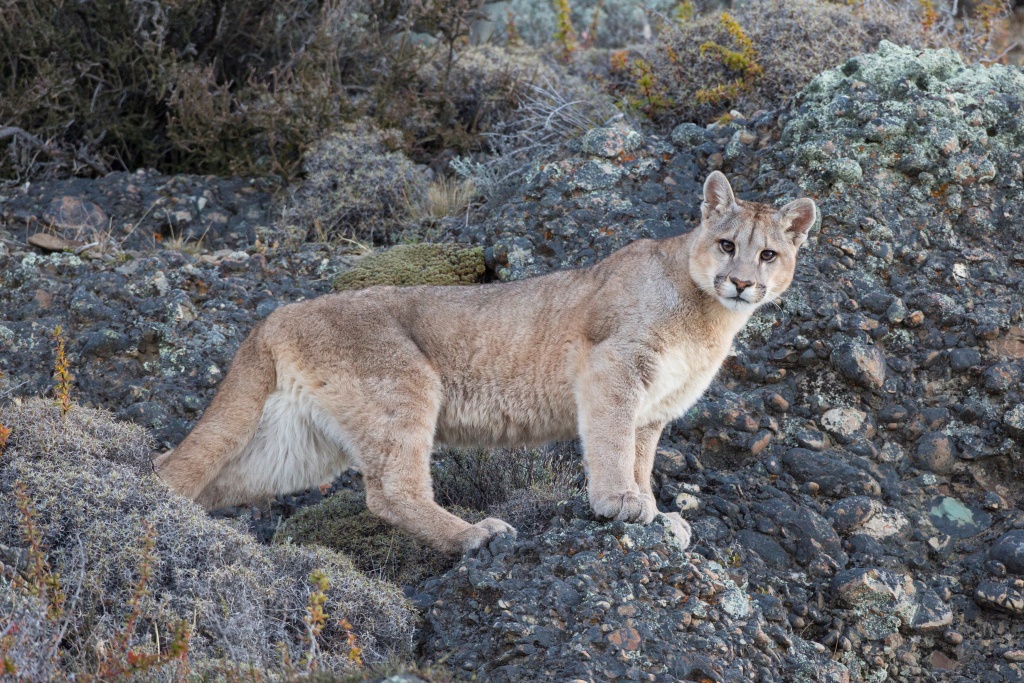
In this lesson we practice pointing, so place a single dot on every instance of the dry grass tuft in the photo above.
(444, 197)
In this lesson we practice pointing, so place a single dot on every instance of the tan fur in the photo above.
(375, 378)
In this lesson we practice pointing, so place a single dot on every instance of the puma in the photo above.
(376, 378)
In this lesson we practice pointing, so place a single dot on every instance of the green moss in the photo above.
(343, 523)
(416, 264)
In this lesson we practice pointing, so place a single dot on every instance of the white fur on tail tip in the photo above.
(296, 446)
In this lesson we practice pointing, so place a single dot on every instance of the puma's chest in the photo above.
(680, 376)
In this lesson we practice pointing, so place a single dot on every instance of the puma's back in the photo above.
(374, 378)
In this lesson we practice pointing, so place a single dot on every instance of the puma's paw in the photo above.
(678, 527)
(626, 506)
(477, 535)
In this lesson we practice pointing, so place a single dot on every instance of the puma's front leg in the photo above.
(608, 397)
(647, 438)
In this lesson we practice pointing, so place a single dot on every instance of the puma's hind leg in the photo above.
(227, 426)
(390, 427)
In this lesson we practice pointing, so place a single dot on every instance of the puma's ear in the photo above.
(718, 195)
(797, 218)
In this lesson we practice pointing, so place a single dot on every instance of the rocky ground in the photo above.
(853, 477)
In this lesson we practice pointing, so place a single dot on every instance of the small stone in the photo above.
(626, 638)
(687, 135)
(1002, 377)
(1009, 550)
(76, 214)
(849, 513)
(760, 441)
(847, 424)
(597, 175)
(929, 613)
(871, 587)
(955, 519)
(846, 170)
(48, 242)
(861, 363)
(686, 502)
(953, 637)
(936, 453)
(1000, 597)
(1015, 655)
(1014, 421)
(897, 312)
(915, 319)
(893, 414)
(941, 661)
(964, 359)
(812, 439)
(611, 142)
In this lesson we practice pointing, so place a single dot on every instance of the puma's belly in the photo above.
(496, 417)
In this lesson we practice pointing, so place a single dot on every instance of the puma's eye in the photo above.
(768, 255)
(727, 246)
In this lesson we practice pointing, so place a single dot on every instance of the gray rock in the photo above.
(1014, 421)
(1009, 549)
(611, 142)
(688, 135)
(964, 359)
(957, 520)
(849, 513)
(834, 476)
(847, 424)
(861, 363)
(999, 596)
(936, 453)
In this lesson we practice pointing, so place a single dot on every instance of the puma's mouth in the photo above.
(737, 303)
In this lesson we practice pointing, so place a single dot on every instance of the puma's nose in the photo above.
(740, 284)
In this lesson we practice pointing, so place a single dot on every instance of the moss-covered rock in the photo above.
(343, 523)
(94, 499)
(416, 264)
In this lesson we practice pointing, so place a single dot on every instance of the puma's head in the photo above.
(744, 253)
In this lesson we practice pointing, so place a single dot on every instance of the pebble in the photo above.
(861, 363)
(1009, 551)
(936, 453)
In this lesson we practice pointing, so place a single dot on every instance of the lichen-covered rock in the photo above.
(594, 601)
(416, 264)
(576, 210)
(89, 483)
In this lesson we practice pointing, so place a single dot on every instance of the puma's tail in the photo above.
(227, 426)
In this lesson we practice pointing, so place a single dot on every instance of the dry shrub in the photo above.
(699, 69)
(358, 185)
(127, 83)
(93, 496)
(235, 86)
